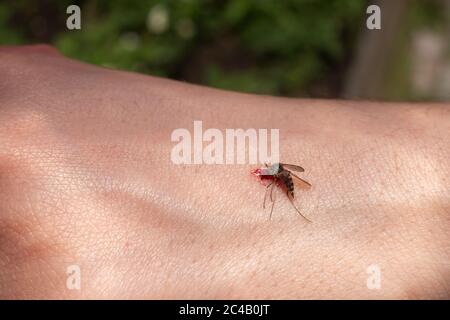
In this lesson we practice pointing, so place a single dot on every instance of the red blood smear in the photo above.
(266, 179)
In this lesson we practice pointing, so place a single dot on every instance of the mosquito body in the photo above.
(281, 175)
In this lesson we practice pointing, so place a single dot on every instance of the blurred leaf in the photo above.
(277, 47)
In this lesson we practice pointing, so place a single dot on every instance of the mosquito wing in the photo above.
(299, 182)
(292, 167)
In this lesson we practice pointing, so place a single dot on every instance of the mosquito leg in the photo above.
(271, 191)
(265, 194)
(273, 204)
(293, 204)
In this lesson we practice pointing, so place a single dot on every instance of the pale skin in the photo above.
(86, 179)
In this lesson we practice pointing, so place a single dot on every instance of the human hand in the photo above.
(86, 179)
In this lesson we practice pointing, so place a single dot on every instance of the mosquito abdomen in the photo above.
(289, 184)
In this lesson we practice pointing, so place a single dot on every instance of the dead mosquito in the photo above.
(280, 174)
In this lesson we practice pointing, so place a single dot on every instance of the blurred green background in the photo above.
(302, 48)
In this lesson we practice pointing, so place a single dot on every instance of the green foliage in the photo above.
(262, 46)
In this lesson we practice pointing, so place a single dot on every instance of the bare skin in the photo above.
(86, 179)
